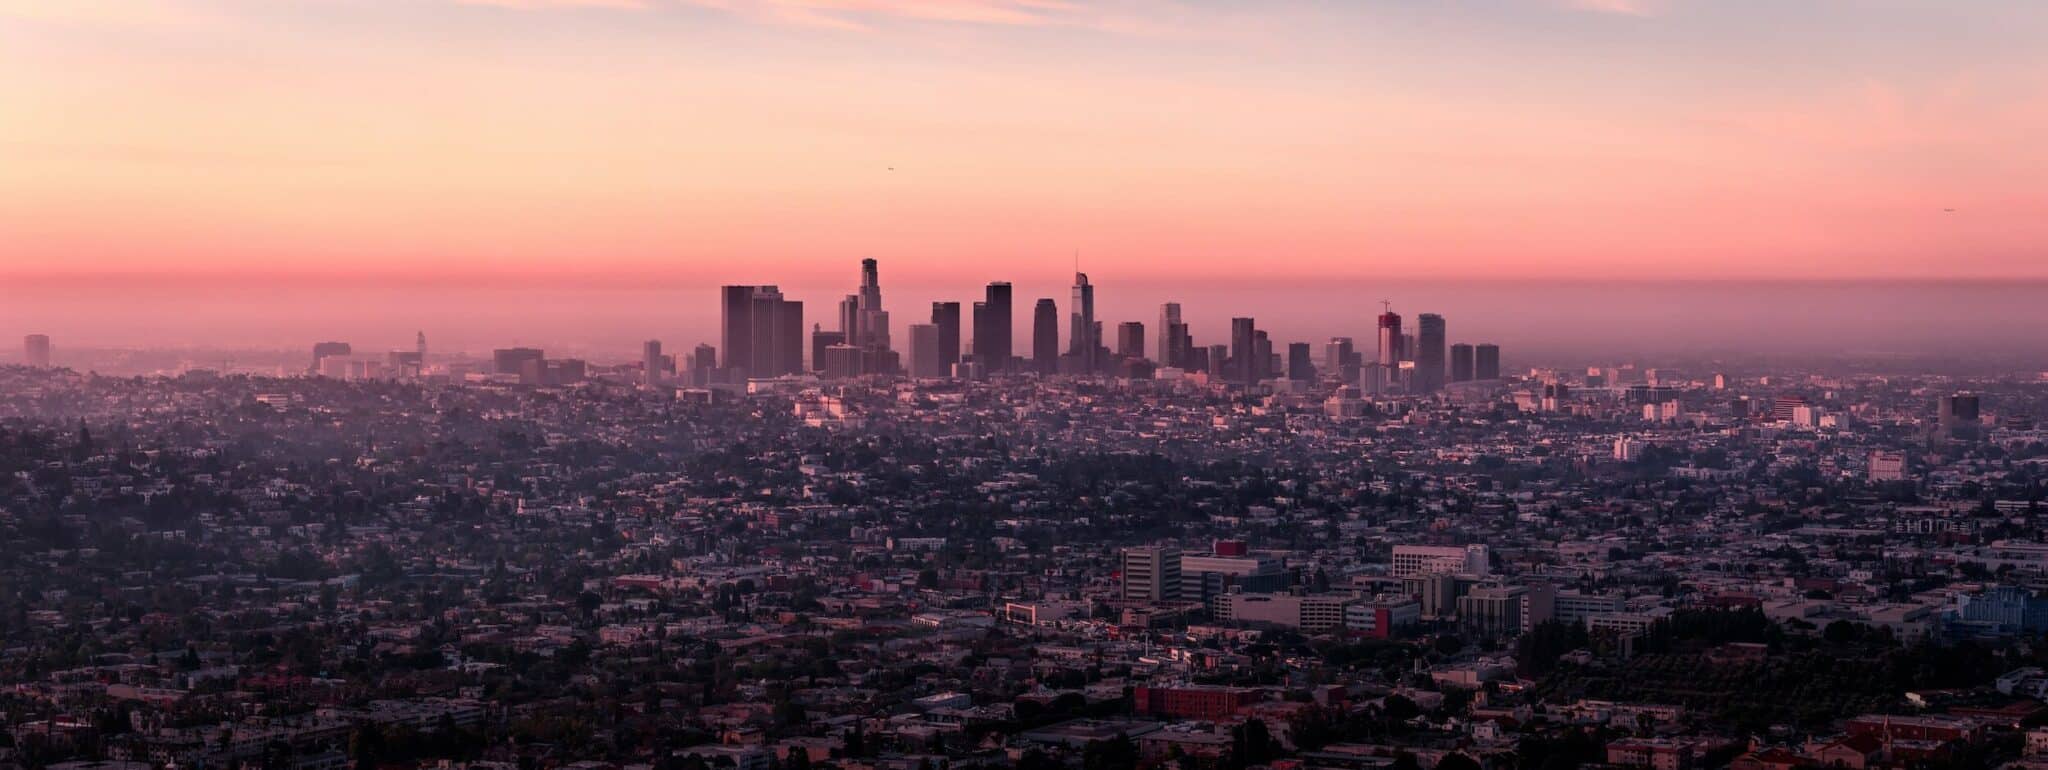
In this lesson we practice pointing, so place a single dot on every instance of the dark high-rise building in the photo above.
(1959, 416)
(650, 360)
(1390, 340)
(1130, 339)
(1244, 351)
(861, 317)
(325, 350)
(946, 316)
(1045, 337)
(763, 333)
(563, 372)
(766, 316)
(702, 363)
(1486, 362)
(843, 361)
(1084, 336)
(1219, 363)
(1337, 354)
(529, 364)
(789, 338)
(736, 325)
(1299, 365)
(992, 328)
(36, 351)
(1265, 363)
(821, 341)
(1461, 362)
(926, 357)
(1429, 352)
(1168, 351)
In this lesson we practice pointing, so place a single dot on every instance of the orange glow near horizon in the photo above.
(778, 140)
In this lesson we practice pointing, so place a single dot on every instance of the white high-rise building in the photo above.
(1152, 574)
(1455, 559)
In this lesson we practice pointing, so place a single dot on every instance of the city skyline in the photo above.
(1579, 321)
(1034, 384)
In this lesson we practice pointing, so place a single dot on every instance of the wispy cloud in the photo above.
(97, 12)
(1616, 7)
(621, 4)
(862, 14)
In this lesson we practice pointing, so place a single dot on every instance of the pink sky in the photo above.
(615, 141)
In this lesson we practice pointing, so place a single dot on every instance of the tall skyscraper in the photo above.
(1390, 339)
(1084, 335)
(763, 332)
(1299, 365)
(36, 351)
(1045, 337)
(871, 322)
(766, 316)
(1429, 353)
(1337, 354)
(1461, 362)
(736, 326)
(789, 337)
(324, 350)
(1486, 362)
(946, 316)
(1130, 339)
(703, 362)
(927, 358)
(1217, 362)
(1264, 363)
(993, 336)
(1244, 352)
(1958, 417)
(863, 326)
(1168, 351)
(650, 360)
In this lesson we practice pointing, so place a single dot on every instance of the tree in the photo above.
(1117, 753)
(1399, 708)
(366, 747)
(1250, 744)
(1458, 761)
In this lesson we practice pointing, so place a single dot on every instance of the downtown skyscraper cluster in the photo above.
(763, 338)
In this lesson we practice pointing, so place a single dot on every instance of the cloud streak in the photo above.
(863, 14)
(1615, 7)
(631, 5)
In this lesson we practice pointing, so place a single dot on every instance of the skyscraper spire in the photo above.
(1084, 335)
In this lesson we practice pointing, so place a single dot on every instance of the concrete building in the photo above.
(1460, 559)
(1152, 575)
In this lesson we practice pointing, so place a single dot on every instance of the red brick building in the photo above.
(1193, 701)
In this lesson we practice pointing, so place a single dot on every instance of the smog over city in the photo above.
(1039, 384)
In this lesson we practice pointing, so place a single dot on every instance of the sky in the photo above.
(147, 145)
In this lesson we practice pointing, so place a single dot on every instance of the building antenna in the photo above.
(1386, 306)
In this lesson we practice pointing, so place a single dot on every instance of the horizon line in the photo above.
(625, 280)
